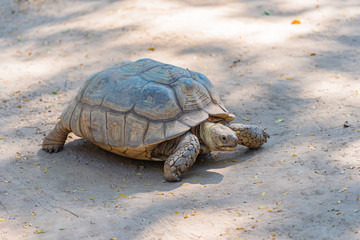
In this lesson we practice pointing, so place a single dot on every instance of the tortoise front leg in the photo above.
(182, 158)
(250, 136)
(54, 142)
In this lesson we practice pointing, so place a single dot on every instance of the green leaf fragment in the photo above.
(279, 120)
(61, 229)
(65, 31)
(266, 13)
(54, 93)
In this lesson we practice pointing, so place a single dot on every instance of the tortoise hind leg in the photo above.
(54, 142)
(250, 136)
(182, 158)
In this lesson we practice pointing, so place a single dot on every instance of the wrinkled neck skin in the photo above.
(205, 135)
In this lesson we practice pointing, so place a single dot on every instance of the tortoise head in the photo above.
(218, 137)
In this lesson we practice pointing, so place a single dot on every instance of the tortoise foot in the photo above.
(52, 149)
(52, 146)
(170, 174)
(250, 136)
(54, 142)
(182, 159)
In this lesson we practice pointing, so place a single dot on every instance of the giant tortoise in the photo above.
(152, 111)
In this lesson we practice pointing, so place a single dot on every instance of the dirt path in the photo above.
(301, 81)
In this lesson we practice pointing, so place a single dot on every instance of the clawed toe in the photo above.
(53, 149)
(170, 174)
(58, 149)
(173, 178)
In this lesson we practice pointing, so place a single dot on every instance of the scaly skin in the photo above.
(54, 142)
(250, 136)
(183, 157)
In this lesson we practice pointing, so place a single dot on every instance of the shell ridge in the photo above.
(179, 77)
(164, 130)
(142, 77)
(142, 116)
(139, 70)
(156, 101)
(171, 74)
(90, 124)
(177, 133)
(160, 83)
(107, 130)
(105, 95)
(147, 69)
(134, 105)
(87, 83)
(127, 112)
(177, 100)
(145, 132)
(72, 114)
(124, 133)
(164, 67)
(206, 87)
(82, 108)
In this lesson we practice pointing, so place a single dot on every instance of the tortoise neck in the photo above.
(205, 134)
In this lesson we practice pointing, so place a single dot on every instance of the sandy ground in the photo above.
(300, 81)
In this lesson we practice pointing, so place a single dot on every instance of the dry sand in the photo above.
(300, 81)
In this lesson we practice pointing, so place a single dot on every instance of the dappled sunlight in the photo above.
(192, 221)
(300, 81)
(238, 28)
(346, 153)
(41, 68)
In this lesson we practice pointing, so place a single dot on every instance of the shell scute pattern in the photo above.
(135, 129)
(155, 133)
(123, 95)
(98, 122)
(201, 78)
(157, 102)
(98, 88)
(165, 74)
(191, 94)
(115, 125)
(133, 106)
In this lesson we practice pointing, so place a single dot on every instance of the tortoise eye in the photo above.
(223, 138)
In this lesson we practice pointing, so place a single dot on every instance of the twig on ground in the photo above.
(2, 205)
(70, 212)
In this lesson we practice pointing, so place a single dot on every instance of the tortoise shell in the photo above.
(131, 107)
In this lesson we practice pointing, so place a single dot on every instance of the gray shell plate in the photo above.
(133, 106)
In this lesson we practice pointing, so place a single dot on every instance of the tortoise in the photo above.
(152, 111)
